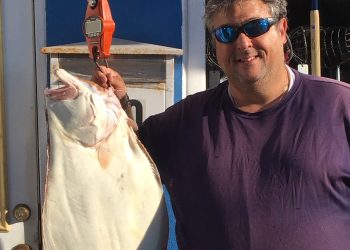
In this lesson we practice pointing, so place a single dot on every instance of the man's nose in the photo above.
(243, 41)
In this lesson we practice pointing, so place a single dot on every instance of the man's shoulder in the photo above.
(319, 81)
(211, 96)
(322, 90)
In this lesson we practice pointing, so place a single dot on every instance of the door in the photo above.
(22, 68)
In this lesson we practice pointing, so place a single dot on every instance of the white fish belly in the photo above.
(116, 205)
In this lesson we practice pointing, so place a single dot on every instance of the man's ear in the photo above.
(283, 26)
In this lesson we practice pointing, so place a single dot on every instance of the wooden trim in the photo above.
(4, 227)
(170, 71)
(118, 47)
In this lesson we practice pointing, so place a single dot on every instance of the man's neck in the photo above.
(262, 95)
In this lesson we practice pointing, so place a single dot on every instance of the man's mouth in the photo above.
(247, 59)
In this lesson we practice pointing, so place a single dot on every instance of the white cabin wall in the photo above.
(193, 39)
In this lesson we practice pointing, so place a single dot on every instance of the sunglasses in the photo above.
(254, 28)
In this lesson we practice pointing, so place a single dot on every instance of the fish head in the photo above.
(81, 109)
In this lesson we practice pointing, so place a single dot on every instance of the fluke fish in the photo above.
(103, 190)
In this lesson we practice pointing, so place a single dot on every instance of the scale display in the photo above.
(93, 27)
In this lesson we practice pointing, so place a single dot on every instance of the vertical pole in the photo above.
(338, 72)
(4, 227)
(315, 39)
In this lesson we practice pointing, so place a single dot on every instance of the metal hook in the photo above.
(96, 56)
(98, 65)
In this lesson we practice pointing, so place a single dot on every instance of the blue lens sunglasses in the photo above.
(254, 28)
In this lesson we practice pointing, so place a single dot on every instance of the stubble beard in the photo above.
(246, 79)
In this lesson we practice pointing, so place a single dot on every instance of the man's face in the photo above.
(249, 60)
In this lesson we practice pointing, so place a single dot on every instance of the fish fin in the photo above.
(104, 155)
(153, 165)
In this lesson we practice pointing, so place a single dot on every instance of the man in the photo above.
(263, 160)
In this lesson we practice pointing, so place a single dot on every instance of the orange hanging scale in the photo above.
(98, 29)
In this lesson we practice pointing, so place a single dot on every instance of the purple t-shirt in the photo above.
(276, 179)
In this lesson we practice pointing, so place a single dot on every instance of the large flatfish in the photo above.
(102, 190)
